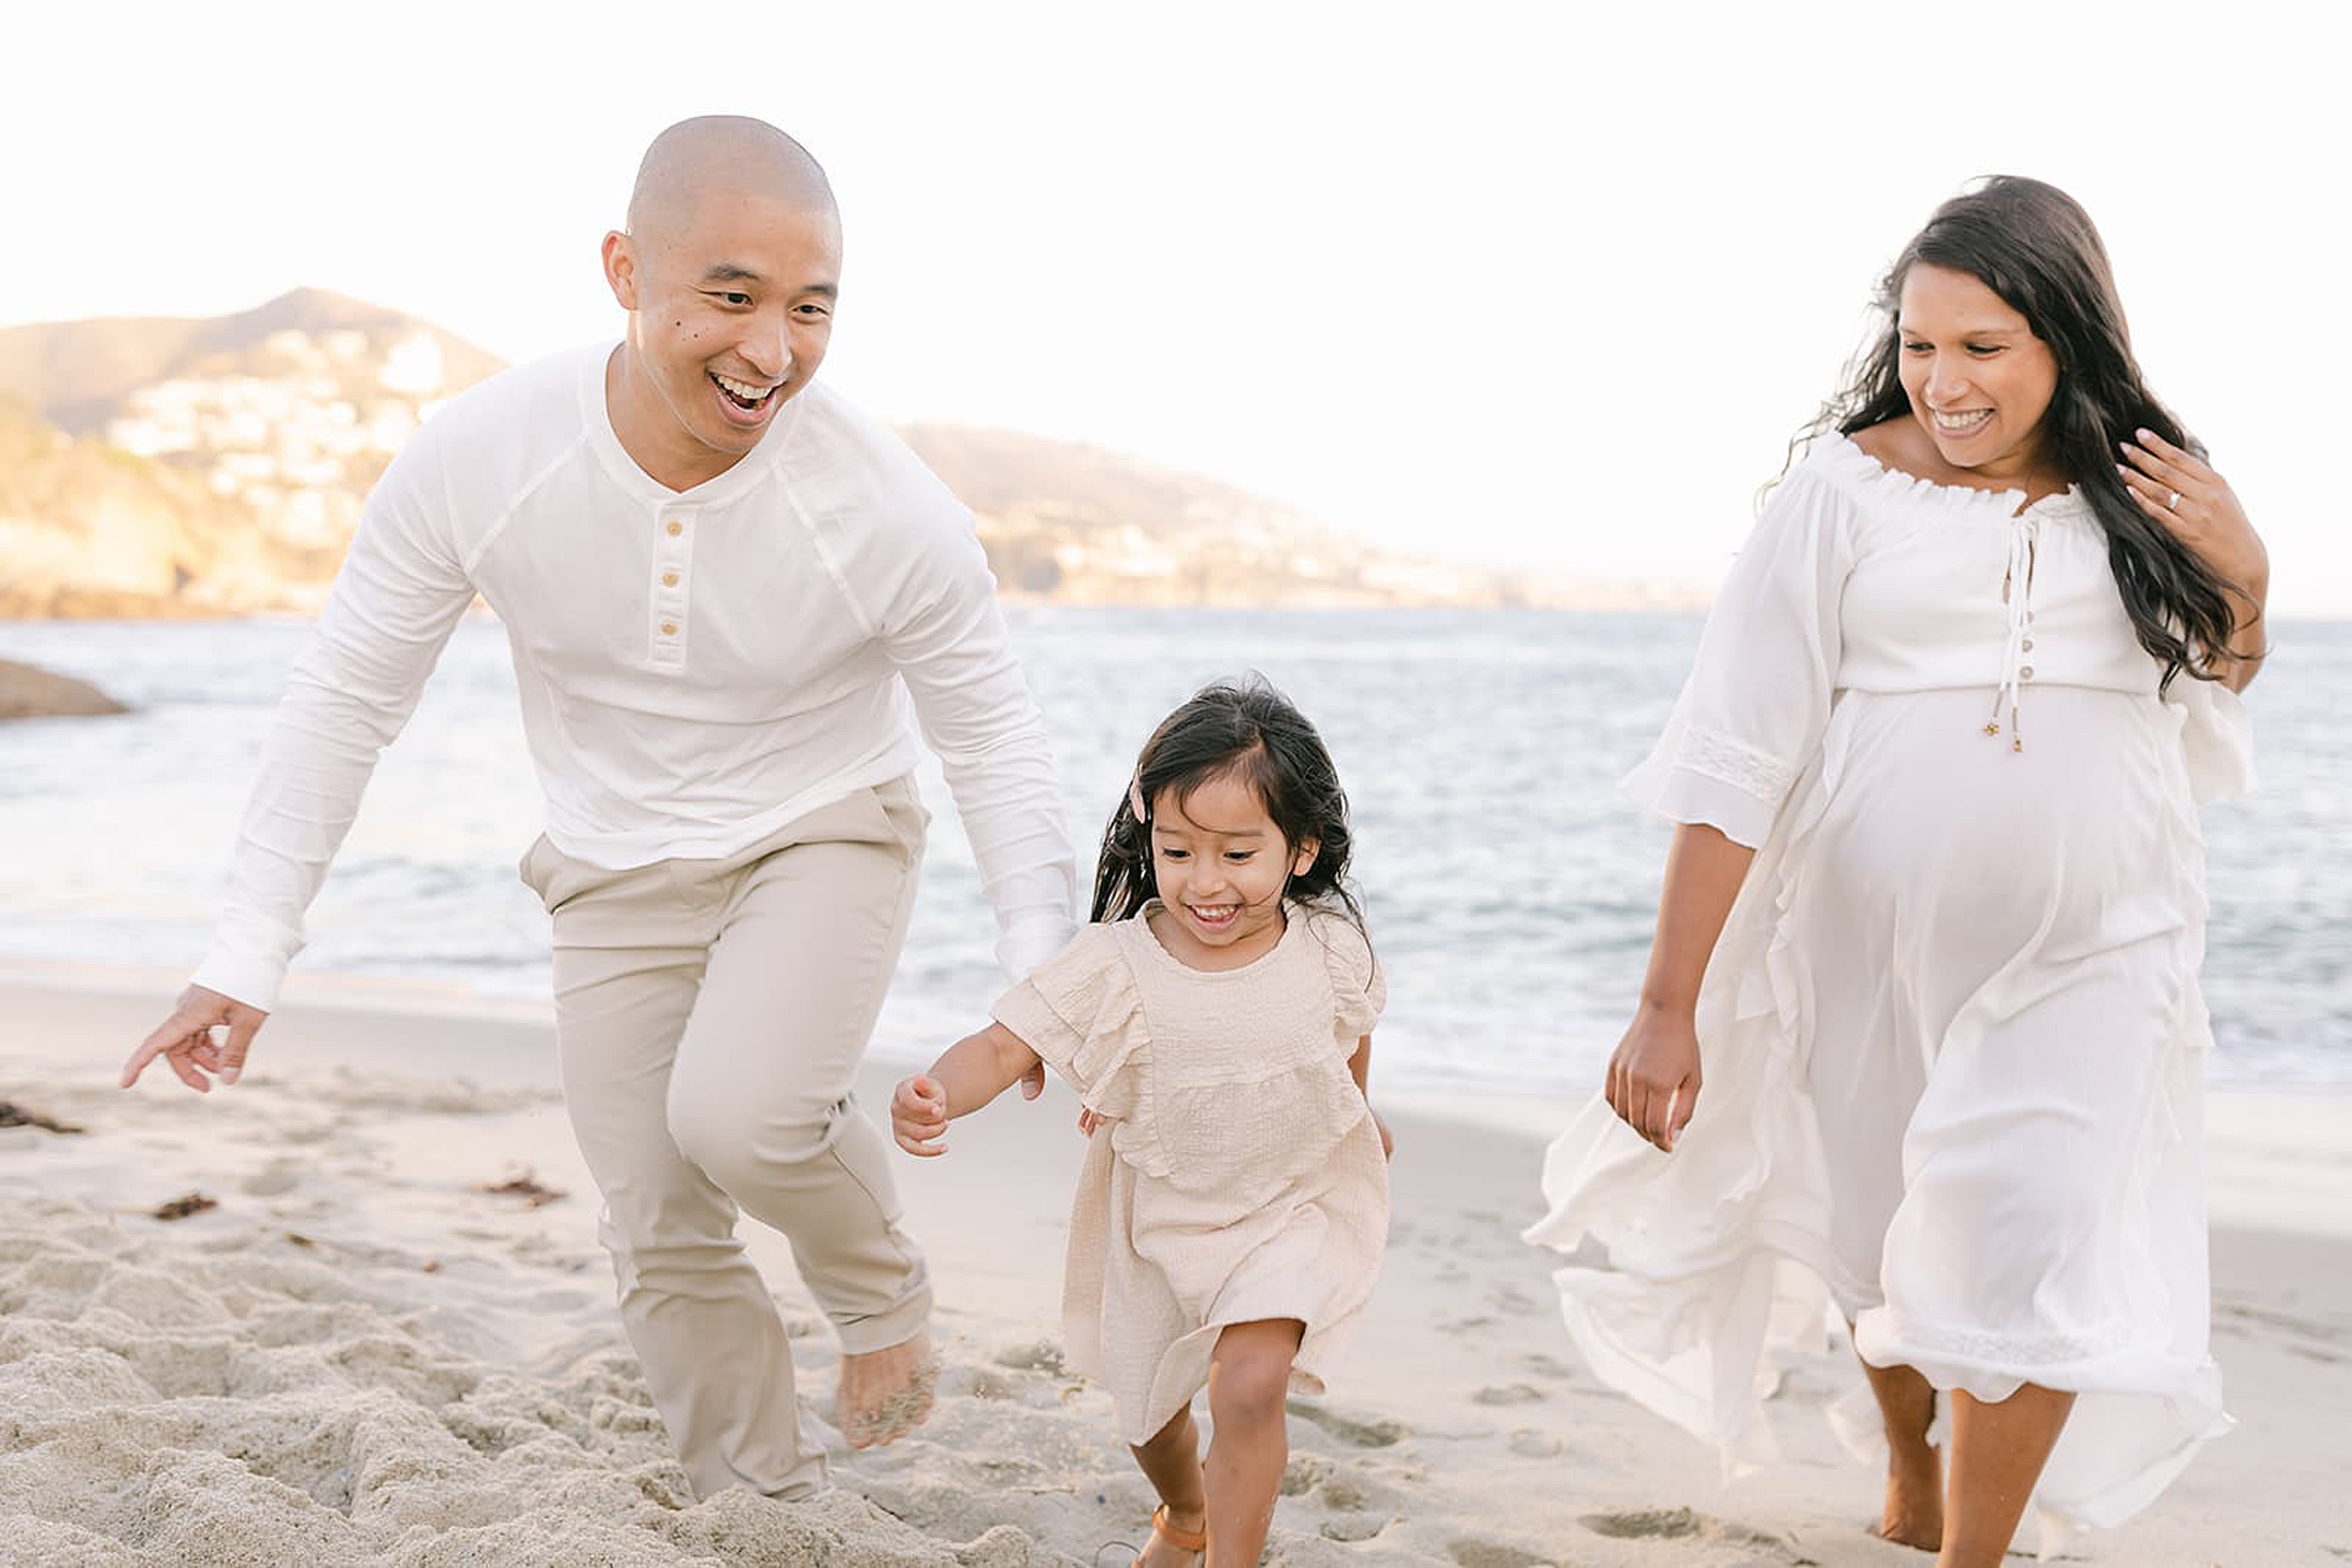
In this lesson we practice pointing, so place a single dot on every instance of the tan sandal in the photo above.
(1183, 1541)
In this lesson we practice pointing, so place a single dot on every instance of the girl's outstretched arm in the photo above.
(969, 1074)
(1360, 1066)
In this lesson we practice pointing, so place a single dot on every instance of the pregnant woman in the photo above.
(1932, 918)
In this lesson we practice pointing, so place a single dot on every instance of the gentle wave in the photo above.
(1510, 886)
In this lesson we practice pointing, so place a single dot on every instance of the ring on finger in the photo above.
(2171, 500)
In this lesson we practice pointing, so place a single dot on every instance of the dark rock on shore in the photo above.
(27, 693)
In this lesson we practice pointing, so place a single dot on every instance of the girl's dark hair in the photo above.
(1249, 731)
(2033, 246)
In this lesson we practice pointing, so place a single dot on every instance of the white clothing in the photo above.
(1951, 1035)
(697, 668)
(1240, 1176)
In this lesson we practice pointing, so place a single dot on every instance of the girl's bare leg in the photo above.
(1171, 1463)
(1914, 1513)
(1250, 1374)
(1997, 1454)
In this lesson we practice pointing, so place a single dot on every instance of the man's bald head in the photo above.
(710, 155)
(730, 270)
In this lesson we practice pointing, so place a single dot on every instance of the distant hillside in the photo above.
(1070, 521)
(86, 528)
(165, 466)
(1001, 472)
(79, 374)
(170, 466)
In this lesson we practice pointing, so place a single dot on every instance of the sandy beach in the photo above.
(362, 1354)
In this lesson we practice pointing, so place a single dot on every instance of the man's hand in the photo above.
(1033, 1082)
(185, 1039)
(918, 1116)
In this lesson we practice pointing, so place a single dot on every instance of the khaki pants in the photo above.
(711, 1016)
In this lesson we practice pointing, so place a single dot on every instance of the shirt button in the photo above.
(677, 528)
(2026, 646)
(2025, 673)
(669, 629)
(669, 579)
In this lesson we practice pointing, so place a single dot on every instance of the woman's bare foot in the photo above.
(1913, 1514)
(885, 1394)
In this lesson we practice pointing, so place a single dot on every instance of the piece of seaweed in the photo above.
(14, 1114)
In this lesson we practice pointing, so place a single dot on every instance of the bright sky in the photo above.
(1528, 283)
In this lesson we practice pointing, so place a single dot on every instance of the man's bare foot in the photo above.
(1913, 1514)
(885, 1394)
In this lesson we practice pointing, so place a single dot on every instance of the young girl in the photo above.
(1217, 1023)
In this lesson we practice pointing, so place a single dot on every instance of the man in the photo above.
(721, 586)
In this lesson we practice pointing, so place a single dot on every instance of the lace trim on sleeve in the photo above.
(1749, 770)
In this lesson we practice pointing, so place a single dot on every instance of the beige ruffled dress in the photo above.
(1239, 1175)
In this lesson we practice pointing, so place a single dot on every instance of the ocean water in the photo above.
(1510, 887)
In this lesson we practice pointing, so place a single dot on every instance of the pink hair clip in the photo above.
(1134, 798)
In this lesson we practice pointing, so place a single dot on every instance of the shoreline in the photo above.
(2278, 1158)
(364, 1356)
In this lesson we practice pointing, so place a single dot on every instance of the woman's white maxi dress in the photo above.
(1951, 1037)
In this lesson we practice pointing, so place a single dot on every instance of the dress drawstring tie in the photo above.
(2017, 594)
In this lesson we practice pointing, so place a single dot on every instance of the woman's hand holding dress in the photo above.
(1654, 1074)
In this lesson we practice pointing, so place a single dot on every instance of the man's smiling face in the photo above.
(730, 297)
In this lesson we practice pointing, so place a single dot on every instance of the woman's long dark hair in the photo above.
(1249, 731)
(2033, 246)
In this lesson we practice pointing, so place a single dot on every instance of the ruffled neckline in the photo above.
(1293, 917)
(1863, 475)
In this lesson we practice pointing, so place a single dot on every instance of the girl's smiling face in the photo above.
(1221, 866)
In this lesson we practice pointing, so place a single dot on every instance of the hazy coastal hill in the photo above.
(83, 375)
(1077, 523)
(168, 466)
(206, 467)
(88, 529)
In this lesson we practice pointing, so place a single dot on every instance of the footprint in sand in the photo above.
(1038, 1355)
(2265, 1318)
(1517, 1393)
(1675, 1524)
(978, 1383)
(1510, 1299)
(1364, 1435)
(1334, 1486)
(277, 1177)
(1304, 1472)
(1648, 1524)
(1347, 1528)
(1490, 1554)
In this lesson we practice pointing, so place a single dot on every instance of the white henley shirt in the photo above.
(697, 668)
